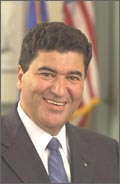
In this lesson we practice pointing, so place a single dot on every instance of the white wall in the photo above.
(13, 15)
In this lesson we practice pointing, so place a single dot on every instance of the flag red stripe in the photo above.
(67, 17)
(89, 23)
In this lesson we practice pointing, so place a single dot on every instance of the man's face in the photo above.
(52, 88)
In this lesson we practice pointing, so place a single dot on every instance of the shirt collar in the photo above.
(39, 137)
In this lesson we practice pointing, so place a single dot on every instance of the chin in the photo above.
(55, 122)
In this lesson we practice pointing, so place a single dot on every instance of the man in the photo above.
(51, 73)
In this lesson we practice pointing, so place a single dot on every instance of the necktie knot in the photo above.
(53, 144)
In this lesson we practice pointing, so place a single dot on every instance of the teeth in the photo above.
(55, 103)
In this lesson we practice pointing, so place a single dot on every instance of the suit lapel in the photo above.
(22, 157)
(81, 156)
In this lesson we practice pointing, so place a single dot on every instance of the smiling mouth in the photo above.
(55, 103)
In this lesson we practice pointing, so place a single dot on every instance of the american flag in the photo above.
(80, 14)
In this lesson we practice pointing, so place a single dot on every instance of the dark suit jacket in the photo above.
(94, 158)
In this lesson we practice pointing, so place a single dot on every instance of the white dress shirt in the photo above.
(40, 140)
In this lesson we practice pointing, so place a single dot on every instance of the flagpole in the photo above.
(38, 11)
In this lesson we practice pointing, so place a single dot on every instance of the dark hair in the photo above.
(54, 36)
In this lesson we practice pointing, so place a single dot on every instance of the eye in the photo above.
(47, 75)
(74, 78)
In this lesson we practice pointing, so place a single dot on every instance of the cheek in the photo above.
(78, 92)
(39, 86)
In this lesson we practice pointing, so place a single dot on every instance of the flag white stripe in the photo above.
(90, 10)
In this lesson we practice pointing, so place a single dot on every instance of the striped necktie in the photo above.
(56, 168)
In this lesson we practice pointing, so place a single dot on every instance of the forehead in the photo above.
(58, 60)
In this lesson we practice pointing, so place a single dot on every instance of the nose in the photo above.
(58, 87)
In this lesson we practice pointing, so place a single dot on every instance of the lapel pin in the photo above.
(85, 164)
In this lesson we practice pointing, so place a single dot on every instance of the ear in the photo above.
(19, 77)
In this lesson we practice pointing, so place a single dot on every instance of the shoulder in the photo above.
(8, 119)
(94, 139)
(9, 123)
(98, 150)
(88, 133)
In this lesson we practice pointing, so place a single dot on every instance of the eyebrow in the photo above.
(47, 68)
(76, 72)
